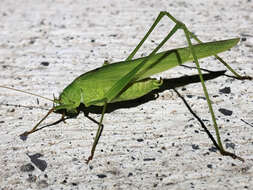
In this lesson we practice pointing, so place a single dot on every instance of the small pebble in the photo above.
(213, 149)
(225, 90)
(101, 175)
(130, 174)
(149, 159)
(225, 112)
(195, 147)
(230, 145)
(44, 63)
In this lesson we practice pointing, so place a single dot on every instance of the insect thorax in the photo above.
(70, 98)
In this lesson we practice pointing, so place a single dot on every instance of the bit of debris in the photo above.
(225, 112)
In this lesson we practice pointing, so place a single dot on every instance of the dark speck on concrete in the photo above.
(213, 149)
(230, 145)
(243, 39)
(195, 147)
(101, 175)
(225, 112)
(149, 159)
(225, 90)
(44, 63)
(201, 98)
(130, 174)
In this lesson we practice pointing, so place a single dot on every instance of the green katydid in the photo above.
(129, 79)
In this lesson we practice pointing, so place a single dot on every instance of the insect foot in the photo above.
(89, 159)
(24, 135)
(245, 78)
(232, 155)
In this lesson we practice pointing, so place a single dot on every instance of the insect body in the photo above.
(91, 87)
(130, 79)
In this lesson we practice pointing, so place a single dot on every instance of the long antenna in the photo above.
(26, 92)
(23, 106)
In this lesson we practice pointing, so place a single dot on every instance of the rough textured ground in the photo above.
(157, 145)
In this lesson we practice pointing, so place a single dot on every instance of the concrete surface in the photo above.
(157, 145)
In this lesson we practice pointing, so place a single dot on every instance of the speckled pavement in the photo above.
(44, 45)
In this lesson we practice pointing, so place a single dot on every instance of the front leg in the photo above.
(98, 134)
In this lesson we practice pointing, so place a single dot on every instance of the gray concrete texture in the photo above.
(156, 145)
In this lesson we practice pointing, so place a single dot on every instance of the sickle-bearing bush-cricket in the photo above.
(130, 79)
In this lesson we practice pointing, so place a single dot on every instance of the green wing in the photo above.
(158, 63)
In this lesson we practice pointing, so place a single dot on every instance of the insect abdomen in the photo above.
(139, 89)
